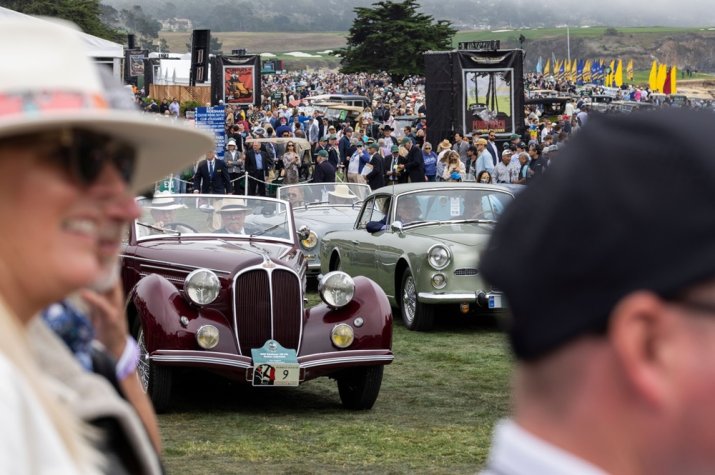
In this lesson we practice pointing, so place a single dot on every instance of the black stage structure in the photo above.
(473, 89)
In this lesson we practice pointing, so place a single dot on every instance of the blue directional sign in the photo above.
(213, 119)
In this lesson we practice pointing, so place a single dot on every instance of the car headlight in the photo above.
(342, 335)
(336, 289)
(311, 241)
(207, 337)
(202, 286)
(438, 256)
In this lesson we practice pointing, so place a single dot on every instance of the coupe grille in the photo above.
(254, 322)
(466, 271)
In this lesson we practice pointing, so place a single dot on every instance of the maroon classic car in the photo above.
(218, 282)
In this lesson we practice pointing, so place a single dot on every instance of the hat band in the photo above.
(32, 103)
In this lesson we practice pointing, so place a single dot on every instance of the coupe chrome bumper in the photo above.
(483, 299)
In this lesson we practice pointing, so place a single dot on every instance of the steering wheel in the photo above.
(180, 227)
(483, 215)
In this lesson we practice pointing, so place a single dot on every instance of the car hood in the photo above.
(326, 218)
(471, 234)
(222, 255)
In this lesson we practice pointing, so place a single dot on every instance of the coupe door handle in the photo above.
(355, 241)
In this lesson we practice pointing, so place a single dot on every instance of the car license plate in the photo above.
(276, 374)
(495, 301)
(274, 365)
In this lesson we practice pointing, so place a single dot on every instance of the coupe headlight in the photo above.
(438, 256)
(202, 286)
(342, 335)
(207, 337)
(311, 241)
(336, 289)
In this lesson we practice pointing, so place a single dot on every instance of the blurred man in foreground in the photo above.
(613, 321)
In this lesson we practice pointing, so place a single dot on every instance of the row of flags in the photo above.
(599, 71)
(663, 78)
(587, 71)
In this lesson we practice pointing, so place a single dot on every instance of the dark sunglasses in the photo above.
(83, 153)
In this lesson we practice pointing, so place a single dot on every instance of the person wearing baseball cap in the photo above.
(375, 175)
(608, 266)
(394, 164)
(73, 153)
(504, 171)
(324, 170)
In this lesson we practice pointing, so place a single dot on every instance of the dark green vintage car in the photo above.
(421, 242)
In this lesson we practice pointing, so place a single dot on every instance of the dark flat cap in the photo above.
(628, 206)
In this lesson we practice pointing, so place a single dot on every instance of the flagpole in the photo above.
(568, 43)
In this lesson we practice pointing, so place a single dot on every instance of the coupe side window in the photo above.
(366, 214)
(375, 210)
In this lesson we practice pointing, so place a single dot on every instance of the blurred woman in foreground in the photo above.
(71, 156)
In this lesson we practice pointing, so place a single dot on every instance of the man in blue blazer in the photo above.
(212, 176)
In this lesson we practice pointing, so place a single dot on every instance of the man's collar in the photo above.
(515, 450)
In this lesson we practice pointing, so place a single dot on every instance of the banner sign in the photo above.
(238, 84)
(134, 64)
(214, 120)
(236, 80)
(489, 101)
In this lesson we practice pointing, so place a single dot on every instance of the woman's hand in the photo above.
(106, 311)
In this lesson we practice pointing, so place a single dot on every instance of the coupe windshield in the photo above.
(169, 214)
(332, 193)
(450, 205)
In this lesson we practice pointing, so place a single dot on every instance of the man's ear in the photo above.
(641, 331)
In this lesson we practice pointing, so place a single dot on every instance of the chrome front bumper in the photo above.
(491, 300)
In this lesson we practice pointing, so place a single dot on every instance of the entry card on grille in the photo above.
(274, 365)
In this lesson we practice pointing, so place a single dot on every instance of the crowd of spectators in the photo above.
(395, 121)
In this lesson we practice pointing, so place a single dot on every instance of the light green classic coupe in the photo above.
(421, 242)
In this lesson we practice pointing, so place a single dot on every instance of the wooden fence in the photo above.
(201, 95)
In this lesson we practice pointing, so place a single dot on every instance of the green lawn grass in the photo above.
(437, 407)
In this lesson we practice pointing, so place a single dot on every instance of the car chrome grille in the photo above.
(466, 271)
(255, 322)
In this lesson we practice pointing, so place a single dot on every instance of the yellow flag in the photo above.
(653, 76)
(612, 74)
(574, 70)
(629, 71)
(673, 80)
(547, 68)
(660, 81)
(587, 72)
(618, 76)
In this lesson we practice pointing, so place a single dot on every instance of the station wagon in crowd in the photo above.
(218, 282)
(421, 242)
(323, 207)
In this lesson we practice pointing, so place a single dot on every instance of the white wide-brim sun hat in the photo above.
(48, 81)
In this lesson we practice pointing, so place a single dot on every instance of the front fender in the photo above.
(159, 306)
(370, 303)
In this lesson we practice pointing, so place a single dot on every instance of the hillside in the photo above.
(684, 47)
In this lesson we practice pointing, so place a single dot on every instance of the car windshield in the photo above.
(173, 215)
(332, 193)
(442, 205)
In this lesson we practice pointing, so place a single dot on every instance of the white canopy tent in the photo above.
(103, 51)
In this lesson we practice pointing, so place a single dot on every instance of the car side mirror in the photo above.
(303, 232)
(396, 227)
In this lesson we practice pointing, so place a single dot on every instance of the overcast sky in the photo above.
(646, 12)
